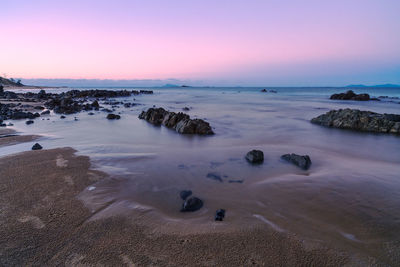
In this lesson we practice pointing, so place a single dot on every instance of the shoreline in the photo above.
(44, 222)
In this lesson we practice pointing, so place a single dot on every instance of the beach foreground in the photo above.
(44, 223)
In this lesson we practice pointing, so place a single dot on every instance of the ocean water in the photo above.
(350, 197)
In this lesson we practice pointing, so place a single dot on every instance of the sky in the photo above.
(213, 42)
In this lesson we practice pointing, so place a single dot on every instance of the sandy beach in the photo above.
(43, 223)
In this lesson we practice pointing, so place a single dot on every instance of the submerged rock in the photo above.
(180, 122)
(184, 194)
(214, 176)
(255, 156)
(192, 204)
(113, 117)
(355, 119)
(36, 147)
(220, 215)
(303, 162)
(350, 95)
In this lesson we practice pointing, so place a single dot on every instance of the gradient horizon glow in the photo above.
(277, 43)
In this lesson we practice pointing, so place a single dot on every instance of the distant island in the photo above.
(388, 85)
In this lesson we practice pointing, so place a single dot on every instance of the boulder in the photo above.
(220, 215)
(303, 162)
(36, 147)
(192, 204)
(255, 156)
(354, 119)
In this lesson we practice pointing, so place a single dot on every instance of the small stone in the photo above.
(29, 122)
(62, 117)
(184, 194)
(113, 117)
(303, 162)
(255, 156)
(219, 215)
(36, 147)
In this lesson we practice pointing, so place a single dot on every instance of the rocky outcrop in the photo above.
(255, 156)
(180, 122)
(355, 119)
(350, 95)
(303, 162)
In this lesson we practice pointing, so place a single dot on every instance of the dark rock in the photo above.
(214, 176)
(236, 181)
(62, 117)
(29, 122)
(192, 204)
(113, 117)
(36, 147)
(255, 156)
(350, 95)
(186, 109)
(95, 104)
(184, 194)
(180, 122)
(47, 112)
(91, 113)
(1, 89)
(39, 107)
(357, 120)
(220, 215)
(303, 162)
(264, 90)
(42, 94)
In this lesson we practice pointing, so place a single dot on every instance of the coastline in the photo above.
(44, 222)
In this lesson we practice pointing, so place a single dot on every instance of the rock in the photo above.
(192, 204)
(1, 89)
(220, 215)
(36, 147)
(62, 117)
(184, 194)
(303, 162)
(214, 176)
(255, 156)
(91, 113)
(236, 181)
(357, 120)
(29, 122)
(180, 122)
(113, 117)
(95, 104)
(350, 95)
(47, 112)
(264, 90)
(186, 109)
(39, 107)
(41, 94)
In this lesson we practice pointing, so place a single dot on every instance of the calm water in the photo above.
(350, 197)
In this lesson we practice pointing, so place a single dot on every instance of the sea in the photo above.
(350, 197)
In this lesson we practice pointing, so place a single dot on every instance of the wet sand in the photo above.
(9, 137)
(44, 223)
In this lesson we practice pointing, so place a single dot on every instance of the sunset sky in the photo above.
(252, 42)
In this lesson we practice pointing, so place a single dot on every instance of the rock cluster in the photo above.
(355, 119)
(180, 122)
(350, 95)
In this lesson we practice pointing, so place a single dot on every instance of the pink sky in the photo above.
(263, 41)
